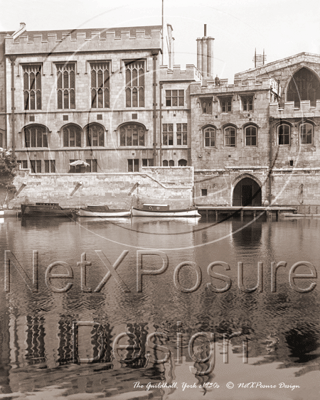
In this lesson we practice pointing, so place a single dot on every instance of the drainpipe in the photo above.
(12, 59)
(160, 131)
(154, 54)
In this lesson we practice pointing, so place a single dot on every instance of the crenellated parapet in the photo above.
(288, 110)
(80, 40)
(177, 74)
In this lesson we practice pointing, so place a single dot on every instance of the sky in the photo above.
(279, 27)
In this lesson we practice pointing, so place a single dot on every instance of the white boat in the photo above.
(163, 211)
(102, 211)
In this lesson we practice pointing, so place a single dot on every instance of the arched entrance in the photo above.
(247, 192)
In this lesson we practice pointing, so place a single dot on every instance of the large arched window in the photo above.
(132, 135)
(306, 133)
(209, 136)
(95, 135)
(72, 136)
(230, 136)
(283, 134)
(251, 135)
(304, 85)
(182, 163)
(36, 136)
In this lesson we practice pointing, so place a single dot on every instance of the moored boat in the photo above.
(102, 211)
(163, 211)
(45, 210)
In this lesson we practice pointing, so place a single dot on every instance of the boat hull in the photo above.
(165, 214)
(106, 214)
(45, 211)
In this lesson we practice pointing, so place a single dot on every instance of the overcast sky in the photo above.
(281, 27)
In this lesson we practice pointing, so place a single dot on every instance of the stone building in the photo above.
(258, 139)
(92, 96)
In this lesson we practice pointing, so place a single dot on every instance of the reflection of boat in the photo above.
(156, 220)
(102, 211)
(45, 210)
(161, 210)
(112, 220)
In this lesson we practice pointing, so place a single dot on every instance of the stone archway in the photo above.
(247, 192)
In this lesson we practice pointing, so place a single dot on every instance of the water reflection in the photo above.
(76, 334)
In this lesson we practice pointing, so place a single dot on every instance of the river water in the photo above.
(162, 316)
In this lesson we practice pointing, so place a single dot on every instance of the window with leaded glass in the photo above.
(35, 136)
(251, 135)
(306, 133)
(283, 134)
(95, 135)
(35, 166)
(225, 103)
(66, 86)
(209, 137)
(182, 134)
(49, 166)
(230, 137)
(133, 165)
(132, 135)
(247, 103)
(135, 84)
(71, 136)
(174, 98)
(167, 134)
(100, 85)
(32, 87)
(93, 165)
(206, 105)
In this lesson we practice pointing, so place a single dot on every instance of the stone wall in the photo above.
(153, 185)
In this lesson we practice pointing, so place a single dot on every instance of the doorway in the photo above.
(247, 192)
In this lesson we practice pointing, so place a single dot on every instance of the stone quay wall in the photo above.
(157, 185)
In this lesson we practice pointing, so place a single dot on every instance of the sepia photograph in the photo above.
(159, 200)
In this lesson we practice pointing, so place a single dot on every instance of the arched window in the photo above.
(36, 136)
(306, 133)
(165, 163)
(251, 135)
(230, 137)
(304, 85)
(71, 136)
(209, 136)
(171, 163)
(132, 135)
(95, 135)
(182, 163)
(283, 134)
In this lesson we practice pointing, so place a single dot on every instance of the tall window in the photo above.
(49, 166)
(167, 134)
(182, 134)
(32, 87)
(247, 103)
(209, 137)
(36, 136)
(71, 136)
(251, 135)
(1, 139)
(206, 105)
(132, 135)
(226, 104)
(100, 85)
(135, 84)
(66, 86)
(230, 137)
(174, 98)
(93, 165)
(306, 134)
(133, 165)
(35, 166)
(95, 135)
(283, 134)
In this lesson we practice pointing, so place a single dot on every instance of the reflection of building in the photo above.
(102, 96)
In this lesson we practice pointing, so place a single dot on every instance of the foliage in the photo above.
(8, 163)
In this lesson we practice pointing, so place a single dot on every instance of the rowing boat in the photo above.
(102, 211)
(163, 211)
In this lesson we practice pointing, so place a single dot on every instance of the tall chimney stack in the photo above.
(205, 54)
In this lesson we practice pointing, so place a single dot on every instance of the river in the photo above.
(177, 308)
